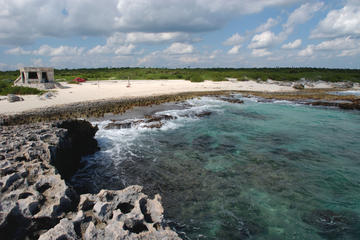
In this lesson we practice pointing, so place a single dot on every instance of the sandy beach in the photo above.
(117, 89)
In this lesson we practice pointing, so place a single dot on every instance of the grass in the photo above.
(7, 88)
(215, 74)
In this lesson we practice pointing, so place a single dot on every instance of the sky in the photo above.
(179, 33)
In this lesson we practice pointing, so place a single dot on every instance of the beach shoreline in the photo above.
(119, 89)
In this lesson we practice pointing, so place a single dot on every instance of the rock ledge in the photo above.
(36, 202)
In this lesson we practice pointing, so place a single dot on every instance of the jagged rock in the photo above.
(298, 86)
(77, 141)
(64, 230)
(157, 118)
(14, 98)
(203, 114)
(343, 85)
(36, 202)
(232, 100)
(156, 125)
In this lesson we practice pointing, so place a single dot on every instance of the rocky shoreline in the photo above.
(97, 108)
(37, 202)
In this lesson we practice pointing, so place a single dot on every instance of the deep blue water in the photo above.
(248, 171)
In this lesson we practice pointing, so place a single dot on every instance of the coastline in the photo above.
(98, 108)
(119, 106)
(117, 89)
(37, 201)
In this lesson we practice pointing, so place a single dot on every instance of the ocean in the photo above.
(258, 170)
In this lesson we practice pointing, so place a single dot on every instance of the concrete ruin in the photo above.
(36, 77)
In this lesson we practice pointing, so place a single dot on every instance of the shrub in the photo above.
(195, 77)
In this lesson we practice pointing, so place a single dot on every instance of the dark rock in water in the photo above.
(79, 141)
(232, 100)
(353, 105)
(14, 98)
(36, 202)
(203, 114)
(333, 225)
(120, 125)
(298, 86)
(157, 118)
(156, 125)
(124, 124)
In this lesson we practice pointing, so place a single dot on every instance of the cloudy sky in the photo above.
(179, 33)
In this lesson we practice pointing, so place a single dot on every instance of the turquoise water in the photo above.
(247, 171)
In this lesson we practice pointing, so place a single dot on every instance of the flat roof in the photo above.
(46, 69)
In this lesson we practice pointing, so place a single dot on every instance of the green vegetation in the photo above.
(215, 74)
(7, 88)
(200, 74)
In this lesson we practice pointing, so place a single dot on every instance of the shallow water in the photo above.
(345, 93)
(248, 171)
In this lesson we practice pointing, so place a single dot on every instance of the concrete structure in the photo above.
(36, 77)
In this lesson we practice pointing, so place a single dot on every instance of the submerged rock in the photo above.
(332, 225)
(203, 114)
(231, 100)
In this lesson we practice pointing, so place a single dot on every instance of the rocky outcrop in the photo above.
(14, 98)
(151, 121)
(36, 202)
(298, 86)
(97, 108)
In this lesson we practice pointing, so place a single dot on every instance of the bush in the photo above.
(19, 90)
(195, 77)
(218, 78)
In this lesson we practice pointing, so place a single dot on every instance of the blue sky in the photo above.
(179, 33)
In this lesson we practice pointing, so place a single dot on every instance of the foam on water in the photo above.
(353, 92)
(248, 171)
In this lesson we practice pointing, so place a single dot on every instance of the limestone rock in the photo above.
(14, 98)
(64, 230)
(36, 202)
(298, 86)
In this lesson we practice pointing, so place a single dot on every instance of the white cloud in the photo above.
(339, 44)
(341, 22)
(301, 15)
(46, 50)
(345, 46)
(235, 39)
(37, 62)
(125, 50)
(264, 40)
(268, 39)
(266, 26)
(234, 50)
(214, 54)
(349, 52)
(17, 51)
(145, 37)
(292, 45)
(307, 52)
(260, 52)
(189, 59)
(99, 49)
(64, 18)
(179, 48)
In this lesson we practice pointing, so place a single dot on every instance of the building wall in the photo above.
(37, 81)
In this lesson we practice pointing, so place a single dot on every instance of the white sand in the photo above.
(110, 89)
